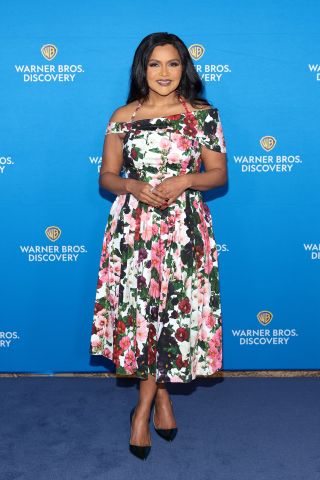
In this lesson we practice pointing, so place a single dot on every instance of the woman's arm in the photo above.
(110, 179)
(112, 160)
(215, 173)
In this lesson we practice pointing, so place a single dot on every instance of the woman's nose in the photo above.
(164, 71)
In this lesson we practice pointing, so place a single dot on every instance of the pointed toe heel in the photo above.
(166, 433)
(140, 451)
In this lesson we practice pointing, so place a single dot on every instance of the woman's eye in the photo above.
(172, 64)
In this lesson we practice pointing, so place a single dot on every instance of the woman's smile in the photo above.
(164, 82)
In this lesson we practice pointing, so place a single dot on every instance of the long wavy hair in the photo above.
(190, 86)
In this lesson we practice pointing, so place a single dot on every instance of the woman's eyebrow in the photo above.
(172, 59)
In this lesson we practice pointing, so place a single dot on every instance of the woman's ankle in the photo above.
(162, 395)
(143, 407)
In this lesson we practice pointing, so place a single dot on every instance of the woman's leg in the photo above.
(140, 422)
(164, 417)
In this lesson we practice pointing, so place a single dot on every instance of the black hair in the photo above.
(190, 86)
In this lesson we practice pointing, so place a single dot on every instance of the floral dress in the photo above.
(157, 306)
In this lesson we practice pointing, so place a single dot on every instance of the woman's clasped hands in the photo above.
(162, 195)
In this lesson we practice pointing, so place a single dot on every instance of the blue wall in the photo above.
(264, 80)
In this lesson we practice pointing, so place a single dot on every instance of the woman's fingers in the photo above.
(158, 195)
(154, 197)
(161, 198)
(166, 204)
(152, 200)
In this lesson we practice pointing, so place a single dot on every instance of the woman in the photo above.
(157, 312)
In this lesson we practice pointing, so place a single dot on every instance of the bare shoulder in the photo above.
(205, 107)
(124, 113)
(200, 106)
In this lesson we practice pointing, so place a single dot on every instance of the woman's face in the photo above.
(164, 69)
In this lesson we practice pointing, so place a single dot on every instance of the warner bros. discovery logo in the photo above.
(314, 68)
(49, 72)
(208, 72)
(96, 161)
(313, 249)
(7, 338)
(5, 161)
(267, 163)
(53, 253)
(264, 336)
(49, 51)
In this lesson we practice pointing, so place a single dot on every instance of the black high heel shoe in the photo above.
(166, 433)
(140, 451)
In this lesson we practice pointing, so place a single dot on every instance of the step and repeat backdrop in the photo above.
(64, 69)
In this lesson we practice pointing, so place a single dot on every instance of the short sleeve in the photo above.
(116, 127)
(210, 132)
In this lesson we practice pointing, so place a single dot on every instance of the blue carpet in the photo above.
(229, 429)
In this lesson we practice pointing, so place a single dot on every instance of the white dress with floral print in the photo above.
(157, 306)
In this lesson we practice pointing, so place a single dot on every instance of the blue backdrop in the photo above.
(64, 69)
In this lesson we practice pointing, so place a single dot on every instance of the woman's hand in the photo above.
(172, 188)
(142, 191)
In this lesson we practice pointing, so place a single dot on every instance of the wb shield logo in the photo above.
(49, 51)
(264, 317)
(196, 51)
(268, 142)
(53, 233)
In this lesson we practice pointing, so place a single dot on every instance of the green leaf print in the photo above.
(155, 150)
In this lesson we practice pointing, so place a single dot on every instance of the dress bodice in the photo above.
(160, 147)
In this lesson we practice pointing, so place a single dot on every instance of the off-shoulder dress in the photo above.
(157, 306)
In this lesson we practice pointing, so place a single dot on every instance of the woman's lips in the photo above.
(164, 82)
